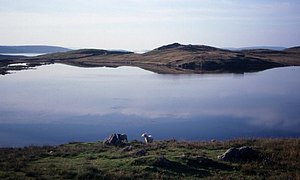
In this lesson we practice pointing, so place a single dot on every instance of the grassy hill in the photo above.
(177, 58)
(277, 159)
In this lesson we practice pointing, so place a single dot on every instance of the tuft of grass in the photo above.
(170, 159)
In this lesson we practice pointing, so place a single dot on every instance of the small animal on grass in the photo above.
(122, 137)
(148, 138)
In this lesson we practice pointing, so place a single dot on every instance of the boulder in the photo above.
(244, 153)
(231, 154)
(113, 139)
(247, 153)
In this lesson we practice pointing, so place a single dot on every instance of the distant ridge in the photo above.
(173, 59)
(169, 46)
(189, 47)
(94, 52)
(276, 48)
(32, 49)
(293, 49)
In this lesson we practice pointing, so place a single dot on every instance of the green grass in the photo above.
(278, 159)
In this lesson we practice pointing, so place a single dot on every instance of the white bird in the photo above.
(148, 138)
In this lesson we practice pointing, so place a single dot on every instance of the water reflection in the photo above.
(59, 103)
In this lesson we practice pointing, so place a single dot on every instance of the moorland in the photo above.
(168, 159)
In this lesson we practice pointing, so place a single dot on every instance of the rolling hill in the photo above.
(177, 58)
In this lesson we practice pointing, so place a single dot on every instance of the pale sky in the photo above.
(147, 24)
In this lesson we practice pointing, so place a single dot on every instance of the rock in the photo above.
(114, 139)
(247, 152)
(236, 155)
(231, 154)
(111, 140)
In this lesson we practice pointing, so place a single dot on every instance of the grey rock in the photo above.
(236, 155)
(115, 139)
(247, 152)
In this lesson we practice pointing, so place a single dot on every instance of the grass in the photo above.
(278, 159)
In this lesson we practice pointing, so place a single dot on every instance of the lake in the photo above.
(23, 54)
(57, 103)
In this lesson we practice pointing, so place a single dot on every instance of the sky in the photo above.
(147, 24)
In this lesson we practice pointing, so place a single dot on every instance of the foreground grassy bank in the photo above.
(277, 158)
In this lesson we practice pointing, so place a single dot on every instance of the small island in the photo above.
(169, 59)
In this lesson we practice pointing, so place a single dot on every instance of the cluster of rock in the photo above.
(120, 139)
(116, 139)
(244, 153)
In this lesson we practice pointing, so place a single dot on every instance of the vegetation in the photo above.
(278, 159)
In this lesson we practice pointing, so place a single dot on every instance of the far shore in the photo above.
(169, 59)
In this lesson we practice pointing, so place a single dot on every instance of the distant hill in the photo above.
(293, 49)
(8, 57)
(189, 48)
(179, 58)
(276, 48)
(172, 58)
(32, 49)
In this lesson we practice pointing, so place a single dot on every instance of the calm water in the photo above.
(23, 54)
(58, 103)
